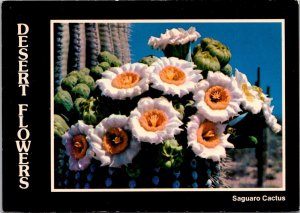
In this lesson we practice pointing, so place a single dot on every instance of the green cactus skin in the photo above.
(206, 62)
(179, 51)
(81, 90)
(148, 59)
(63, 102)
(227, 70)
(133, 170)
(60, 126)
(111, 59)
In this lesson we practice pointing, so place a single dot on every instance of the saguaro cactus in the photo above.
(74, 47)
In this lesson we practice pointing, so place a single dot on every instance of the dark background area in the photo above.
(39, 196)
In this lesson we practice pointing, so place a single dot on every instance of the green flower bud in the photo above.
(216, 48)
(90, 117)
(104, 65)
(206, 62)
(253, 140)
(81, 90)
(111, 59)
(76, 73)
(60, 126)
(79, 105)
(88, 80)
(63, 102)
(148, 59)
(69, 82)
(227, 70)
(219, 50)
(88, 109)
(180, 108)
(168, 164)
(96, 72)
(85, 71)
(206, 41)
(170, 154)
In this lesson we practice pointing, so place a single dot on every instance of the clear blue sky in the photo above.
(251, 45)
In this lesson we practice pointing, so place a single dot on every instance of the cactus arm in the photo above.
(74, 47)
(91, 45)
(65, 49)
(83, 46)
(105, 38)
(58, 55)
(124, 33)
(116, 40)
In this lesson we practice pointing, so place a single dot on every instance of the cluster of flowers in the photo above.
(217, 99)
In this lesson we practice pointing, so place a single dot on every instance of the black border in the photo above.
(38, 15)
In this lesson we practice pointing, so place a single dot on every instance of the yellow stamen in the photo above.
(79, 146)
(217, 97)
(153, 120)
(172, 75)
(115, 141)
(207, 136)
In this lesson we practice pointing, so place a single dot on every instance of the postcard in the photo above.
(171, 106)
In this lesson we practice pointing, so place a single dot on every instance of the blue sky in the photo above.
(251, 45)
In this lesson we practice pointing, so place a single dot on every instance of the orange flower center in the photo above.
(172, 75)
(217, 97)
(247, 93)
(115, 141)
(153, 120)
(79, 146)
(207, 136)
(125, 80)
